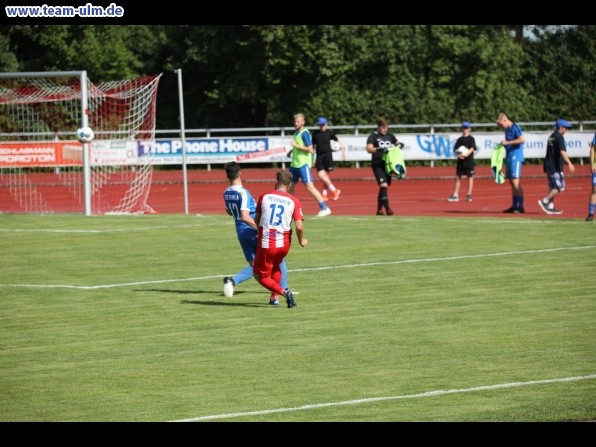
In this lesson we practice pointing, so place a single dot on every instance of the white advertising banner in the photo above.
(114, 153)
(441, 146)
(422, 146)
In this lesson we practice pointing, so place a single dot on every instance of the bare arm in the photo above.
(300, 233)
(519, 140)
(568, 161)
(343, 149)
(295, 145)
(245, 216)
(592, 150)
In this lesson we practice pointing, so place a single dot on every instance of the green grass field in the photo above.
(122, 318)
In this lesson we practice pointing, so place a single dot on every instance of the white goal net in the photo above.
(44, 169)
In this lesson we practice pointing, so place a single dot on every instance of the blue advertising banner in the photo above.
(275, 149)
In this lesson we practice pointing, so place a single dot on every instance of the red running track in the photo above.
(422, 193)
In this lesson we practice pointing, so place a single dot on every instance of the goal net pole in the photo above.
(86, 161)
(44, 169)
(178, 71)
(82, 75)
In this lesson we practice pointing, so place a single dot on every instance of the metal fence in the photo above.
(360, 129)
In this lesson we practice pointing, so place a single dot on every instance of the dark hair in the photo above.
(232, 169)
(382, 122)
(284, 177)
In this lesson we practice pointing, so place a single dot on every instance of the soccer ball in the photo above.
(499, 176)
(228, 287)
(335, 146)
(85, 135)
(462, 150)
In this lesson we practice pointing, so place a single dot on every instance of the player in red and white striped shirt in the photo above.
(274, 215)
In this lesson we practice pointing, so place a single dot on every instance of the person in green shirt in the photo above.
(302, 158)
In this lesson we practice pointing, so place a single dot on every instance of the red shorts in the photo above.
(268, 259)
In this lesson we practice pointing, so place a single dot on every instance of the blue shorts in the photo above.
(513, 168)
(556, 181)
(594, 178)
(303, 173)
(248, 241)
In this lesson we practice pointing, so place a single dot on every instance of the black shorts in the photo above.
(324, 162)
(381, 176)
(464, 171)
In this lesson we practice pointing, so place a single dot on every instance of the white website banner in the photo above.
(441, 146)
(275, 149)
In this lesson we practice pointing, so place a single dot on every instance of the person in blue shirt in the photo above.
(556, 154)
(592, 201)
(242, 207)
(514, 159)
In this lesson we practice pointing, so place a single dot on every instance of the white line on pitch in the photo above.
(379, 399)
(330, 267)
(106, 230)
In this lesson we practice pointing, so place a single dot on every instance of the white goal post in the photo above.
(44, 169)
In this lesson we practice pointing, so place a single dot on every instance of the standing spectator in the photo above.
(300, 167)
(592, 202)
(275, 212)
(465, 162)
(556, 153)
(514, 159)
(242, 207)
(321, 140)
(377, 144)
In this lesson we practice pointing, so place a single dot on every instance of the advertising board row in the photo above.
(256, 150)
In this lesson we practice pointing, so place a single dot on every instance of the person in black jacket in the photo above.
(377, 144)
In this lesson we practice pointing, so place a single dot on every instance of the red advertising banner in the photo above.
(261, 154)
(40, 154)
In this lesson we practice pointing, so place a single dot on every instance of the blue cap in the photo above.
(321, 121)
(466, 124)
(563, 123)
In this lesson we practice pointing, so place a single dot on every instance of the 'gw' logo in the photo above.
(437, 144)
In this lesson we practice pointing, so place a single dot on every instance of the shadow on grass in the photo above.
(228, 302)
(224, 303)
(189, 292)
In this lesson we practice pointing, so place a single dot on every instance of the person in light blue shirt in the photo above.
(514, 160)
(242, 207)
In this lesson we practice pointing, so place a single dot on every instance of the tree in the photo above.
(106, 52)
(260, 75)
(563, 74)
